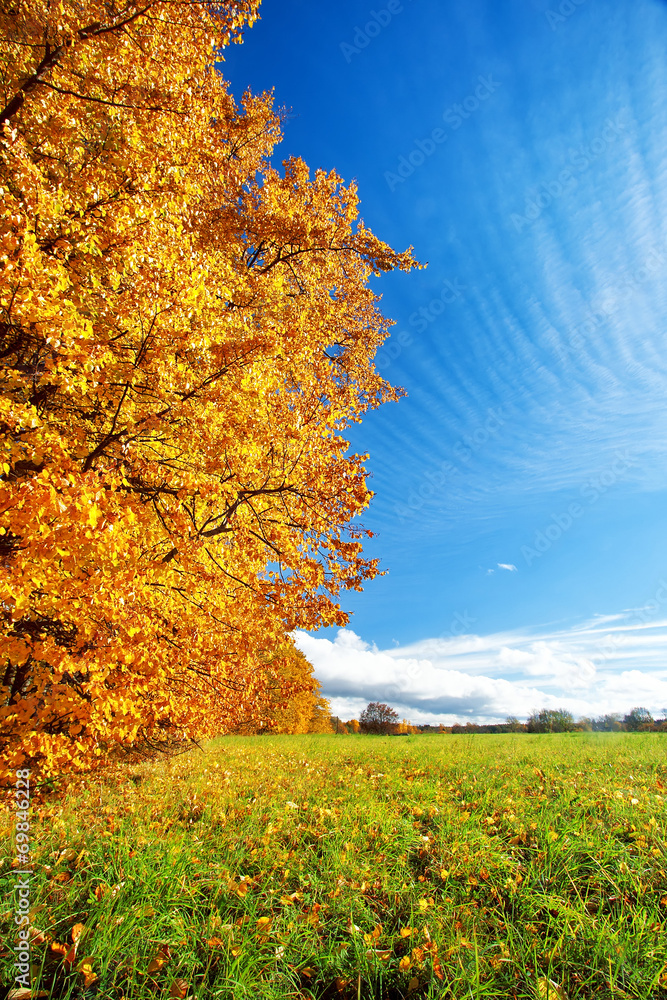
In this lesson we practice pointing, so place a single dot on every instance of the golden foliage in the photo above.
(304, 710)
(185, 333)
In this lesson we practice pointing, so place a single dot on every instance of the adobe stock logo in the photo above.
(581, 159)
(379, 19)
(434, 481)
(420, 319)
(453, 116)
(627, 284)
(561, 523)
(559, 16)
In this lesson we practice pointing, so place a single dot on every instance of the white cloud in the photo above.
(608, 664)
(509, 566)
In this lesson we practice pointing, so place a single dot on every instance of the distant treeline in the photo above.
(546, 720)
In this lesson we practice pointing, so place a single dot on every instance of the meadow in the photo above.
(518, 866)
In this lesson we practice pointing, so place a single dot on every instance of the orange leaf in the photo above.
(77, 931)
(160, 958)
(178, 989)
(70, 957)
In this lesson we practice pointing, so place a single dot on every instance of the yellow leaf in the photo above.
(85, 967)
(160, 958)
(547, 989)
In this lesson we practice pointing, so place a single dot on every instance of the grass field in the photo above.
(359, 866)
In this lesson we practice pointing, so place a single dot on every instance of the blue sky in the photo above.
(521, 488)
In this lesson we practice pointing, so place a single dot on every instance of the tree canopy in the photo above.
(378, 718)
(637, 718)
(185, 333)
(551, 720)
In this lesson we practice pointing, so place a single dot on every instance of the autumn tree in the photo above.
(403, 728)
(377, 718)
(185, 334)
(637, 718)
(305, 710)
(320, 719)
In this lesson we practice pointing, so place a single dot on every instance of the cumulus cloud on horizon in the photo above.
(609, 664)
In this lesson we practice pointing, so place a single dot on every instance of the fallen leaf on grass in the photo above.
(178, 989)
(70, 957)
(67, 951)
(77, 931)
(549, 990)
(160, 958)
(69, 854)
(25, 994)
(85, 967)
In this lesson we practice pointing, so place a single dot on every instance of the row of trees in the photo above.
(379, 718)
(185, 334)
(559, 720)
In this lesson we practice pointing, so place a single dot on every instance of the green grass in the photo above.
(350, 867)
